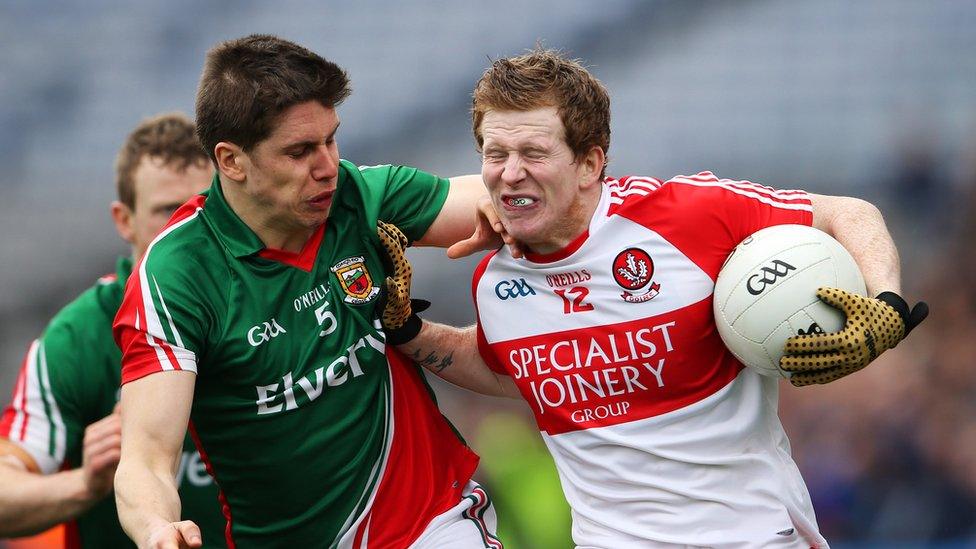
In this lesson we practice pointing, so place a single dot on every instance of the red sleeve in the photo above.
(144, 350)
(707, 217)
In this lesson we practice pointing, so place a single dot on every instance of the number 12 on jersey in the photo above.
(573, 302)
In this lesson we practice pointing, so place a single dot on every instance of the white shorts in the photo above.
(469, 524)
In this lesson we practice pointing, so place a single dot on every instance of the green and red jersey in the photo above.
(317, 433)
(69, 380)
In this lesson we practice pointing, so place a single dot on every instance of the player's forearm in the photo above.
(145, 499)
(31, 502)
(452, 354)
(860, 228)
(459, 215)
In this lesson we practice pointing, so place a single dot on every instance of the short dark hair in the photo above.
(248, 82)
(169, 137)
(546, 78)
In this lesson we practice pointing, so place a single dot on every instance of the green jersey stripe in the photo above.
(173, 332)
(55, 425)
(153, 323)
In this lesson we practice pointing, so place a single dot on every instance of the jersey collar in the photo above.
(233, 233)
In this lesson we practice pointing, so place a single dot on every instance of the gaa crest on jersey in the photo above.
(633, 270)
(355, 280)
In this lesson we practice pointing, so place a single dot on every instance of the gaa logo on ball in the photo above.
(766, 292)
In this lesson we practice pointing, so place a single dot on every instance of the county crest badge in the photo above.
(355, 280)
(632, 270)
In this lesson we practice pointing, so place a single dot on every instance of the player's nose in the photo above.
(325, 165)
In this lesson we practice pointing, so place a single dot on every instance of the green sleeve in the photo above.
(409, 198)
(82, 389)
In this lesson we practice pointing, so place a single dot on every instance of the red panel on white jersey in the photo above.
(600, 376)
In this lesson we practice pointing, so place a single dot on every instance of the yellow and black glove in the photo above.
(399, 316)
(873, 326)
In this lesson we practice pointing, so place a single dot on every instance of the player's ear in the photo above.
(122, 216)
(229, 160)
(591, 165)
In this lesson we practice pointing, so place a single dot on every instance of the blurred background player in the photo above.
(661, 437)
(60, 435)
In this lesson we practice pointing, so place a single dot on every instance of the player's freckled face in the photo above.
(293, 173)
(532, 178)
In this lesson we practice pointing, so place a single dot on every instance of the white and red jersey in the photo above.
(659, 434)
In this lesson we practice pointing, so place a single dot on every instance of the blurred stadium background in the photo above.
(875, 99)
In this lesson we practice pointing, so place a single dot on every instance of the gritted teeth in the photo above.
(520, 201)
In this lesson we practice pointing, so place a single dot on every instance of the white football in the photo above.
(766, 292)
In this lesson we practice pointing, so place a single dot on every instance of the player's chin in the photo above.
(526, 227)
(313, 218)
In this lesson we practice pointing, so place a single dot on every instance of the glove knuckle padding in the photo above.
(397, 307)
(872, 327)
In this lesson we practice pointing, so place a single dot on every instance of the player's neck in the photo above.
(274, 230)
(289, 240)
(568, 228)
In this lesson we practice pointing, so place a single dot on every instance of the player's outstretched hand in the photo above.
(101, 450)
(489, 234)
(399, 317)
(174, 535)
(873, 326)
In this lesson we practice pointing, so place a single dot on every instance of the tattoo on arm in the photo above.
(445, 362)
(432, 359)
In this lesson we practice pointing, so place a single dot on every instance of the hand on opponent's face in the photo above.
(489, 234)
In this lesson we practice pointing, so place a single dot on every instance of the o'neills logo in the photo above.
(633, 269)
(558, 280)
(355, 280)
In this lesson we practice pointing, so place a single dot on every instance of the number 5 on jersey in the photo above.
(573, 303)
(325, 318)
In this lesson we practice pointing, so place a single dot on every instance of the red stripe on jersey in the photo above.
(604, 375)
(357, 541)
(476, 514)
(25, 373)
(167, 350)
(11, 411)
(428, 465)
(72, 536)
(139, 356)
(565, 252)
(186, 210)
(224, 505)
(303, 260)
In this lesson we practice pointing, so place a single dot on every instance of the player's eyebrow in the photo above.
(310, 142)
